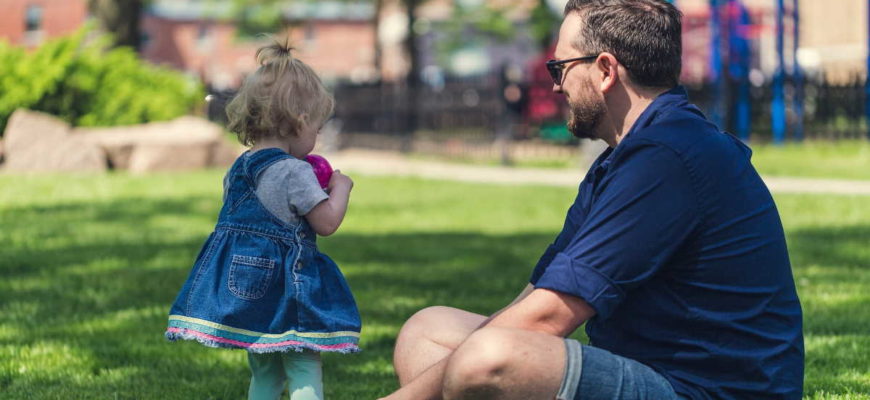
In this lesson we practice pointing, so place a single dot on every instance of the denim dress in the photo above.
(259, 283)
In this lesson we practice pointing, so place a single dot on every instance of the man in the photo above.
(673, 253)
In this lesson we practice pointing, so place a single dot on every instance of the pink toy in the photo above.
(322, 169)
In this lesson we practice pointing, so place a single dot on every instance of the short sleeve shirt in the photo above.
(289, 189)
(676, 243)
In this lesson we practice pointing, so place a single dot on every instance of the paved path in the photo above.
(369, 162)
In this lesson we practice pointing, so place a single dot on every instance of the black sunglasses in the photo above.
(555, 67)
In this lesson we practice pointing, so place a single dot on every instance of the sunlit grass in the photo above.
(91, 264)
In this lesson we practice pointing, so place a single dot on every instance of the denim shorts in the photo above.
(596, 374)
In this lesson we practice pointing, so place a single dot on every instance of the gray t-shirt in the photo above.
(289, 189)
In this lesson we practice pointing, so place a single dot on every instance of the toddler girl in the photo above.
(260, 283)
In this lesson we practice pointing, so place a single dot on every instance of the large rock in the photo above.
(41, 142)
(150, 157)
(123, 143)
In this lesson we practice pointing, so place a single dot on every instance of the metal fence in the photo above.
(832, 111)
(469, 115)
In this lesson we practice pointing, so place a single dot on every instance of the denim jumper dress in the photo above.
(259, 283)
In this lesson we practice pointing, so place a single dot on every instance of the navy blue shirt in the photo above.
(676, 243)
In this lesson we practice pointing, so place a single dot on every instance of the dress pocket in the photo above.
(250, 276)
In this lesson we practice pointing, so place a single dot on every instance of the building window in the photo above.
(310, 34)
(204, 38)
(33, 33)
(33, 18)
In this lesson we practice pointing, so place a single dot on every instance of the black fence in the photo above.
(475, 110)
(832, 111)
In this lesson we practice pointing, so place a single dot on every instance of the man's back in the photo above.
(677, 244)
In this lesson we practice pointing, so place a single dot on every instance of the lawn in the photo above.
(91, 264)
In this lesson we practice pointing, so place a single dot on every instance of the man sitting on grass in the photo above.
(673, 252)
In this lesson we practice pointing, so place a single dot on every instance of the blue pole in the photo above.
(798, 78)
(740, 64)
(715, 63)
(778, 104)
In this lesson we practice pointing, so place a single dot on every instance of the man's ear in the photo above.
(608, 69)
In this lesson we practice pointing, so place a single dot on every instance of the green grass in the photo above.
(844, 159)
(91, 264)
(815, 159)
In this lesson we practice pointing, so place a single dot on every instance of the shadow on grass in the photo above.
(99, 278)
(92, 283)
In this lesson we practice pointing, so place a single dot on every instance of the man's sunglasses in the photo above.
(556, 67)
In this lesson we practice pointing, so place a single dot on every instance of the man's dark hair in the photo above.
(644, 35)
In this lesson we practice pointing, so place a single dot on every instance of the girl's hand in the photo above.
(339, 180)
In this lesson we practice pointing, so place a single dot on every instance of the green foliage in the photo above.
(255, 17)
(91, 264)
(81, 80)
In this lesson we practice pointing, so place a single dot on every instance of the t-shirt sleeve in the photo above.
(643, 211)
(303, 190)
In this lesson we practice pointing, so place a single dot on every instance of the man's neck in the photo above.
(626, 110)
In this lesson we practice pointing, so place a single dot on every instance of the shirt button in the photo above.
(299, 264)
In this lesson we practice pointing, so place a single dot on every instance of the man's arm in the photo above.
(539, 310)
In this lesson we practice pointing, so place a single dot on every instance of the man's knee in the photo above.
(417, 327)
(475, 370)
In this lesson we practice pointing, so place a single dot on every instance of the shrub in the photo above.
(80, 79)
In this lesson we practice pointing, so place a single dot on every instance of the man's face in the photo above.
(585, 102)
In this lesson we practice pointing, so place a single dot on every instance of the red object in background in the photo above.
(543, 105)
(322, 169)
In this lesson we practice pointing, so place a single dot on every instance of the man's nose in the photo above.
(557, 88)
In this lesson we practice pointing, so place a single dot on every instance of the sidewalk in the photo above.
(371, 162)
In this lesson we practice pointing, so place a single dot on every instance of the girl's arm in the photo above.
(326, 217)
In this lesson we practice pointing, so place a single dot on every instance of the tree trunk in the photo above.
(120, 18)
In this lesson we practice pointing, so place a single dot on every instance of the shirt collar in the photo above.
(674, 97)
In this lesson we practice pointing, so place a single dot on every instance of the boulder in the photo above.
(40, 142)
(149, 157)
(36, 141)
(138, 147)
(224, 153)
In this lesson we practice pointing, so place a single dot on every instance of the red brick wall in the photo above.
(218, 58)
(335, 49)
(59, 17)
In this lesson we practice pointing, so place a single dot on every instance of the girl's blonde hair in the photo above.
(281, 97)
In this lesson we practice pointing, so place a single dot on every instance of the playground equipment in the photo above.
(732, 31)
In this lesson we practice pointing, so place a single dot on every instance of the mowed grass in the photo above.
(846, 159)
(91, 264)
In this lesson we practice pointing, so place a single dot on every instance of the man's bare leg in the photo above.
(428, 337)
(504, 364)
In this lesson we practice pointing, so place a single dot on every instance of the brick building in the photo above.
(201, 39)
(28, 23)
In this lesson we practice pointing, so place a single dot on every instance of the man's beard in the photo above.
(586, 114)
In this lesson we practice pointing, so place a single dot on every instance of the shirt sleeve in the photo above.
(575, 214)
(642, 212)
(303, 190)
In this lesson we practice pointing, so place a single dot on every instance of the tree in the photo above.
(120, 18)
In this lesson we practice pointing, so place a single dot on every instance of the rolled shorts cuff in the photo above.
(573, 370)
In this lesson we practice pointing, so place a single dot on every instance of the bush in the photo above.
(81, 80)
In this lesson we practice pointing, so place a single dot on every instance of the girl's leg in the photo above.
(267, 376)
(304, 374)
